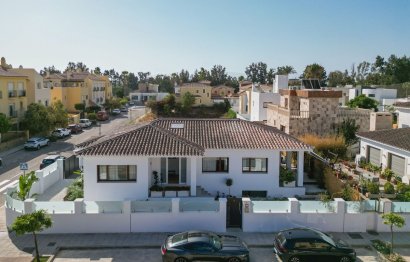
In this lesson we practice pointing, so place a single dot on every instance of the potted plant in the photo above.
(373, 190)
(287, 177)
(396, 179)
(388, 174)
(389, 190)
(183, 191)
(156, 190)
(229, 183)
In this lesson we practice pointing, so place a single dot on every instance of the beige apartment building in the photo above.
(310, 111)
(202, 93)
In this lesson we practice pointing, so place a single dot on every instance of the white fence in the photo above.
(334, 216)
(153, 215)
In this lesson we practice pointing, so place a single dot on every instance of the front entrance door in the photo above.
(173, 170)
(234, 212)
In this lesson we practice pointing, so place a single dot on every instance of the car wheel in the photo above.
(294, 259)
(344, 259)
(181, 259)
(234, 259)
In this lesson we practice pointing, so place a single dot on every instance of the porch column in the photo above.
(300, 168)
(288, 160)
(193, 175)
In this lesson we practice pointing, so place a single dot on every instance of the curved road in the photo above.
(10, 170)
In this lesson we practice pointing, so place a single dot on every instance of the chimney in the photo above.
(3, 62)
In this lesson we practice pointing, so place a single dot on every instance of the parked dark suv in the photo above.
(305, 244)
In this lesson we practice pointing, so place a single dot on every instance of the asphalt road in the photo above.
(10, 170)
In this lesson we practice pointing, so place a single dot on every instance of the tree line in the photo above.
(394, 70)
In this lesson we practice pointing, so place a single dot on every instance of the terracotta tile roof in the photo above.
(184, 137)
(399, 138)
(231, 134)
(402, 104)
(145, 140)
(9, 73)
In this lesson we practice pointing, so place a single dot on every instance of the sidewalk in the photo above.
(20, 247)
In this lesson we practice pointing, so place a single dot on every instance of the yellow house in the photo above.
(13, 94)
(73, 88)
(202, 93)
(36, 91)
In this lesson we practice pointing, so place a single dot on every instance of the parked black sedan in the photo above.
(203, 246)
(306, 244)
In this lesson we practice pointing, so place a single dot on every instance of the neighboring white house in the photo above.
(147, 92)
(379, 94)
(389, 149)
(253, 100)
(403, 109)
(200, 153)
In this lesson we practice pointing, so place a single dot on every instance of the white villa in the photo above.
(388, 148)
(196, 153)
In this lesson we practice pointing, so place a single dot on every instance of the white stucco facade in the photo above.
(385, 150)
(403, 119)
(259, 104)
(212, 182)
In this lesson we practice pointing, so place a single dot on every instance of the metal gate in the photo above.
(234, 212)
(71, 164)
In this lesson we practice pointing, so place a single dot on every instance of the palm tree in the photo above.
(26, 181)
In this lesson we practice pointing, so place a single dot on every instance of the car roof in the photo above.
(192, 237)
(297, 233)
(84, 119)
(52, 157)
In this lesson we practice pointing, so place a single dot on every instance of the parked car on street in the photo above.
(124, 109)
(75, 128)
(305, 244)
(84, 123)
(102, 115)
(116, 111)
(61, 132)
(49, 160)
(36, 143)
(203, 246)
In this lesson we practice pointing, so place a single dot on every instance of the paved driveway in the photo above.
(154, 255)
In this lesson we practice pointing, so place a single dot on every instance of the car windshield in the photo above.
(48, 161)
(179, 237)
(327, 238)
(216, 241)
(31, 141)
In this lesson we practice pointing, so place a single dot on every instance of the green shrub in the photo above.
(230, 114)
(75, 190)
(373, 188)
(388, 174)
(388, 188)
(286, 175)
(92, 116)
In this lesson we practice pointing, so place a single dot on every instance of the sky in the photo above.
(165, 36)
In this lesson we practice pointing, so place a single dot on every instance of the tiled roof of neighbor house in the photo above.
(9, 73)
(192, 136)
(399, 138)
(402, 104)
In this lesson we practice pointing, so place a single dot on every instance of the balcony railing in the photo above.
(12, 94)
(22, 93)
(13, 114)
(299, 114)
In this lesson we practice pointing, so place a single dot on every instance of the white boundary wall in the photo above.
(337, 221)
(126, 221)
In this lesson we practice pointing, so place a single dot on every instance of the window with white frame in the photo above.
(114, 173)
(255, 165)
(215, 164)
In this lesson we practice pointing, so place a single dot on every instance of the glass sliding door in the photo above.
(174, 170)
